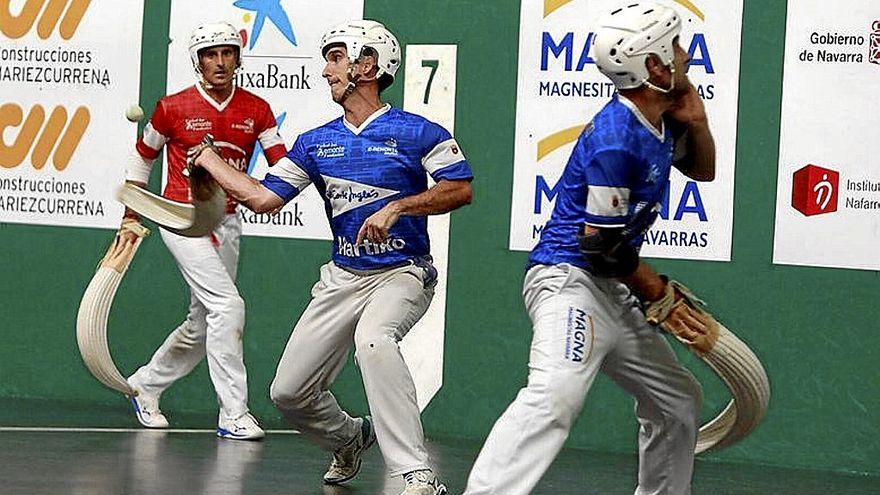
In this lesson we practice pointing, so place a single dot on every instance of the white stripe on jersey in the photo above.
(232, 146)
(270, 137)
(605, 201)
(443, 155)
(153, 138)
(290, 172)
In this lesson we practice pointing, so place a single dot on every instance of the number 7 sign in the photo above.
(429, 91)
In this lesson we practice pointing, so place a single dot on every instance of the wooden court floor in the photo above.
(70, 459)
(196, 462)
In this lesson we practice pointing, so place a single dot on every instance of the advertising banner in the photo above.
(559, 89)
(68, 71)
(281, 63)
(828, 189)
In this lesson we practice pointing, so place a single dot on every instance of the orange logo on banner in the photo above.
(17, 26)
(12, 155)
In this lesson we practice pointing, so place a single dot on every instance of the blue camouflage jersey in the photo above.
(358, 170)
(616, 177)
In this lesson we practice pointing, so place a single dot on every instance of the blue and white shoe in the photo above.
(244, 427)
(146, 409)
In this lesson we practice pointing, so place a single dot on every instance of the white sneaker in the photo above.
(422, 482)
(146, 409)
(347, 460)
(244, 427)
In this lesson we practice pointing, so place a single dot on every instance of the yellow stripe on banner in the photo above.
(693, 8)
(551, 5)
(557, 140)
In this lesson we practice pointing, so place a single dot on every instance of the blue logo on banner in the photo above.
(272, 10)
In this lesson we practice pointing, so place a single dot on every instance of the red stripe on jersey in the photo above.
(274, 153)
(145, 151)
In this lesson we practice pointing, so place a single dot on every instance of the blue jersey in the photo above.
(358, 170)
(616, 177)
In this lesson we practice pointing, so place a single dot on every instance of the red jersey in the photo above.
(181, 120)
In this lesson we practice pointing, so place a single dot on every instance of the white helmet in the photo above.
(210, 35)
(628, 35)
(357, 35)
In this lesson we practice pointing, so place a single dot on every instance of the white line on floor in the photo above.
(126, 430)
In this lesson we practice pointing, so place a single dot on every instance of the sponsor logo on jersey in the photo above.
(578, 335)
(390, 148)
(247, 126)
(330, 150)
(345, 195)
(57, 136)
(197, 124)
(351, 250)
(814, 190)
(16, 26)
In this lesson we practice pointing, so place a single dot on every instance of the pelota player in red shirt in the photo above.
(214, 325)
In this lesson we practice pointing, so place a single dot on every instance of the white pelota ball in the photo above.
(134, 113)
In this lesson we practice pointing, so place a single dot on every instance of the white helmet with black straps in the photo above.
(211, 35)
(627, 36)
(359, 34)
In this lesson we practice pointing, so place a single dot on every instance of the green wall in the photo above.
(815, 329)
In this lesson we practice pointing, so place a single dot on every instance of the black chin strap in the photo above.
(352, 83)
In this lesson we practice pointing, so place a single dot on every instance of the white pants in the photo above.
(214, 324)
(372, 312)
(583, 324)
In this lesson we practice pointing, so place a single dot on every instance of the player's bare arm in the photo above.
(699, 160)
(244, 188)
(645, 282)
(443, 197)
(611, 258)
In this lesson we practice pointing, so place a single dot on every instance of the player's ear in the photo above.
(656, 69)
(656, 66)
(652, 63)
(367, 64)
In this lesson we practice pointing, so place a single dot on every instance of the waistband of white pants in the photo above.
(376, 271)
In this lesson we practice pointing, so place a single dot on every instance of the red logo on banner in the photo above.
(814, 190)
(874, 55)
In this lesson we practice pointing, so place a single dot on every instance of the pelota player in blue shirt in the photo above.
(369, 167)
(585, 279)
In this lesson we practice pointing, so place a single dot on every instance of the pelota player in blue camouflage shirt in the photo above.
(585, 278)
(370, 167)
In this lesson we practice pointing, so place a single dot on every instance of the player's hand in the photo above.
(688, 108)
(127, 235)
(679, 312)
(377, 226)
(200, 152)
